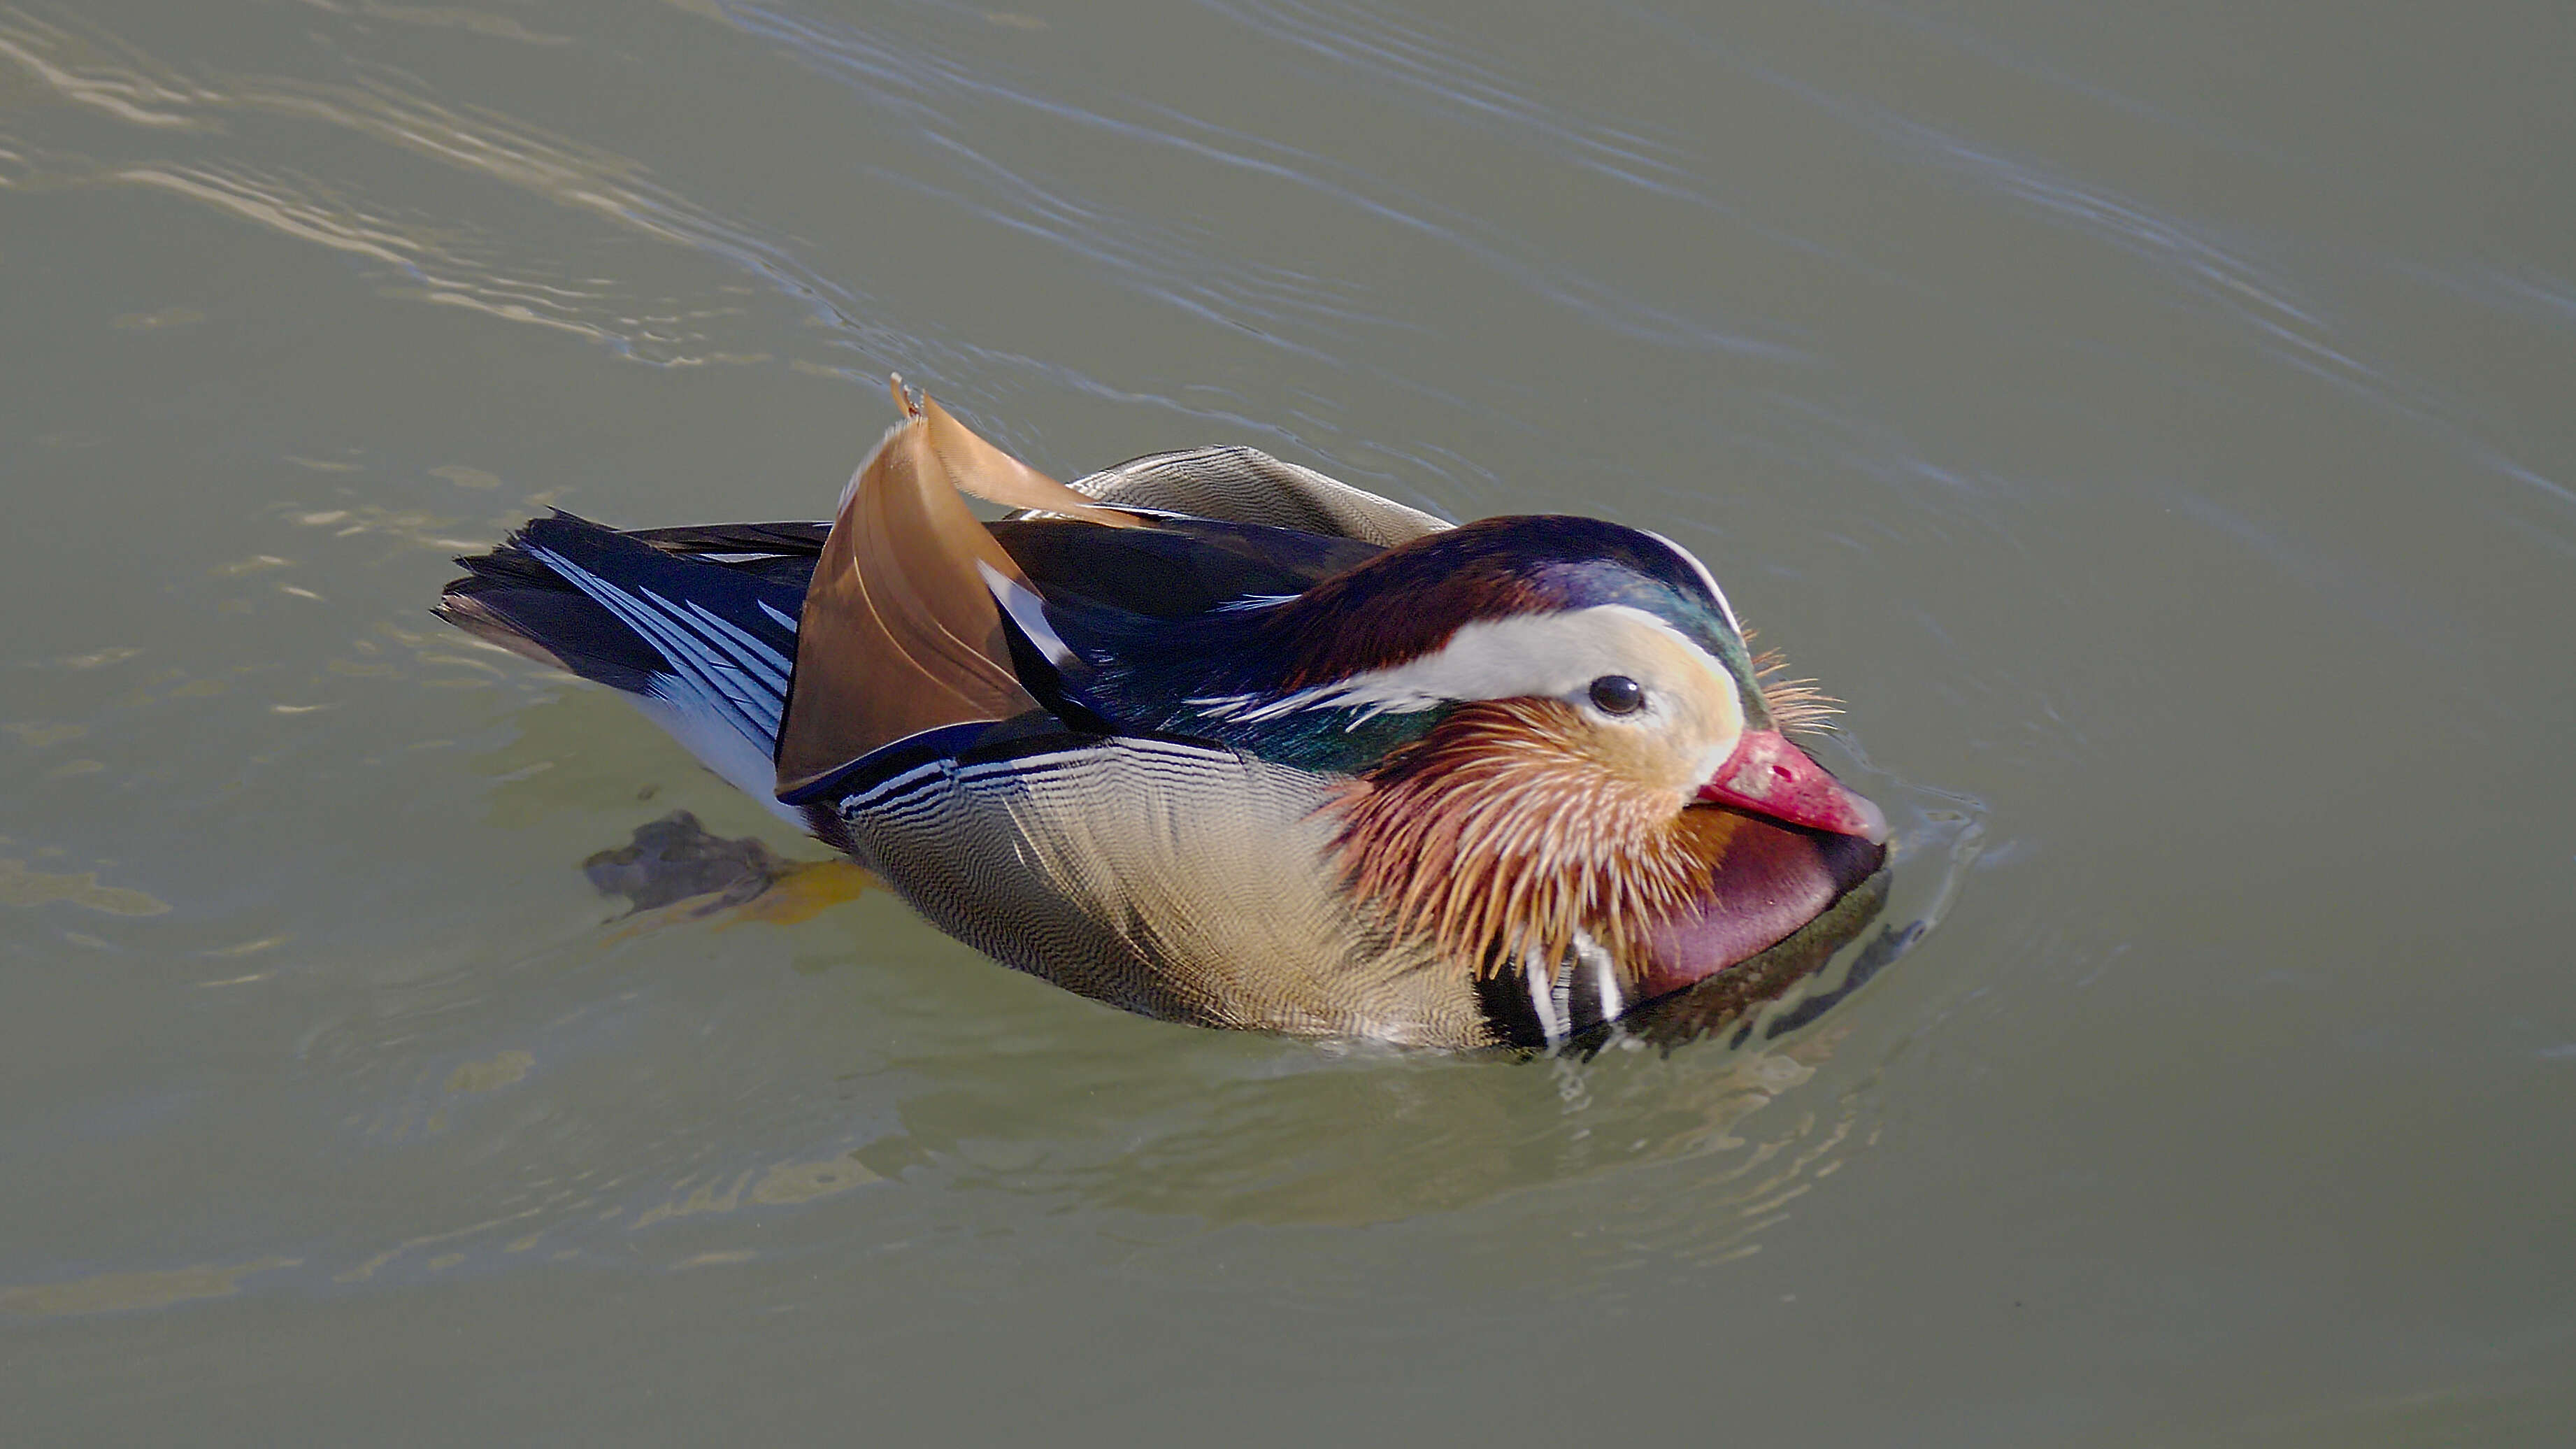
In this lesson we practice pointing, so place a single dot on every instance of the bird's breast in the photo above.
(1762, 882)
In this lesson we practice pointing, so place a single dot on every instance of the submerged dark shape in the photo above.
(675, 859)
(678, 867)
(1221, 740)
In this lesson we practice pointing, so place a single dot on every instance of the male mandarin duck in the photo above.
(1221, 740)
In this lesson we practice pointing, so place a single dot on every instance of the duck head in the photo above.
(1584, 752)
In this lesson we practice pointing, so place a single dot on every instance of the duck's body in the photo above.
(1255, 752)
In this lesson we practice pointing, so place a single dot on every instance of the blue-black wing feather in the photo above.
(672, 622)
(1150, 622)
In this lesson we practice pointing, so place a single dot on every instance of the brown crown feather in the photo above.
(1505, 829)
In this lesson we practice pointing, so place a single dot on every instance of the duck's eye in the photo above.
(1618, 694)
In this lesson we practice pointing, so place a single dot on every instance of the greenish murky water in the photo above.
(2154, 422)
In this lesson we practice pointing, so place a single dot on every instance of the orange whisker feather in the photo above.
(1795, 704)
(1496, 835)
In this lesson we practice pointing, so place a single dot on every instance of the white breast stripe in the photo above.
(1157, 751)
(892, 785)
(1605, 974)
(888, 795)
(1543, 999)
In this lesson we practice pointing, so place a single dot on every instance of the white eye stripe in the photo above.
(1524, 656)
(1705, 577)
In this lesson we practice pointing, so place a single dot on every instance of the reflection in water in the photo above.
(439, 260)
(574, 1088)
(1284, 1132)
(442, 17)
(675, 871)
(779, 1186)
(20, 886)
(931, 89)
(506, 1070)
(572, 1226)
(1371, 1139)
(128, 1292)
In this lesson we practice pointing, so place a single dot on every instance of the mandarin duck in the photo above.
(1221, 740)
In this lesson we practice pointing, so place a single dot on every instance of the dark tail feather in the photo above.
(699, 623)
(511, 598)
(671, 613)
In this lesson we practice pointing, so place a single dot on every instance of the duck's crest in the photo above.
(1410, 601)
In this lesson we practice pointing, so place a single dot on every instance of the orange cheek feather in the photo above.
(1512, 824)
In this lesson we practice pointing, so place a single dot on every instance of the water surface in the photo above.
(2155, 423)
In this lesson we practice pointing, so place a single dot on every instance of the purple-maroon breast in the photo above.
(1767, 880)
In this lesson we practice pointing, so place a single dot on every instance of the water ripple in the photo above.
(445, 261)
(918, 80)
